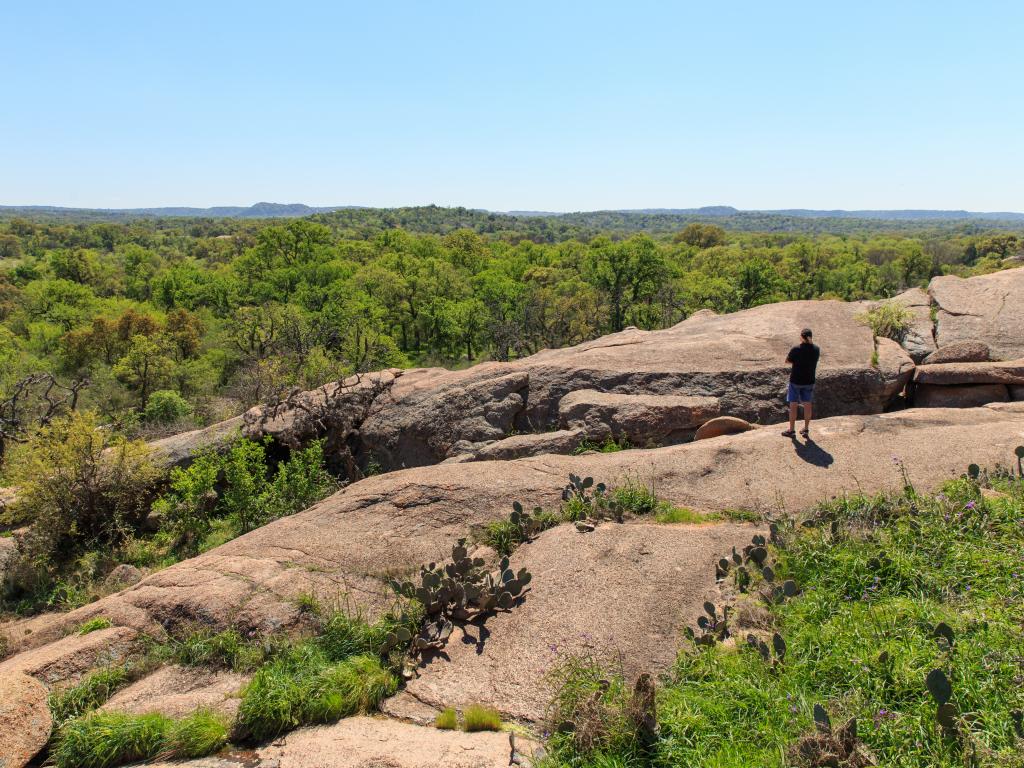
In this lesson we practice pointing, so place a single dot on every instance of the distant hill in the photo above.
(551, 226)
(257, 211)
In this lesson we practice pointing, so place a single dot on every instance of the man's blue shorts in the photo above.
(799, 393)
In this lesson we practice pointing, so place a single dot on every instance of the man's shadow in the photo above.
(813, 453)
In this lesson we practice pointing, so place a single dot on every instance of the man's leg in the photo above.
(807, 416)
(792, 415)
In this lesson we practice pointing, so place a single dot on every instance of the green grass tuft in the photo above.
(480, 718)
(109, 739)
(88, 694)
(448, 720)
(201, 733)
(610, 445)
(303, 686)
(92, 625)
(670, 514)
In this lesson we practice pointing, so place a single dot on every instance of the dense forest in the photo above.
(160, 324)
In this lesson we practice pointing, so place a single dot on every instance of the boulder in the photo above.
(353, 541)
(178, 450)
(722, 425)
(518, 446)
(918, 340)
(985, 307)
(423, 416)
(960, 352)
(123, 575)
(25, 720)
(641, 419)
(1010, 372)
(959, 396)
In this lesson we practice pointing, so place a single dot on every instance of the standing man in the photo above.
(804, 359)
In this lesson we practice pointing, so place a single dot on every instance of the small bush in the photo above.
(82, 486)
(479, 718)
(503, 536)
(447, 720)
(889, 319)
(90, 693)
(92, 625)
(165, 406)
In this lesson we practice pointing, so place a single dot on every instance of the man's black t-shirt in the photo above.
(805, 361)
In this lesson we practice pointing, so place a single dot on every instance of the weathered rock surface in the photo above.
(1010, 372)
(987, 307)
(123, 575)
(68, 658)
(1016, 391)
(424, 416)
(373, 742)
(390, 524)
(25, 720)
(633, 589)
(964, 396)
(518, 446)
(640, 419)
(960, 352)
(919, 340)
(722, 425)
(178, 691)
(179, 449)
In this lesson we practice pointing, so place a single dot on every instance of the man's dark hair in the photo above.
(806, 333)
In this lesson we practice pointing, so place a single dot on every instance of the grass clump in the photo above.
(303, 686)
(218, 650)
(447, 720)
(889, 319)
(201, 733)
(503, 536)
(90, 693)
(669, 514)
(109, 739)
(477, 717)
(875, 577)
(92, 625)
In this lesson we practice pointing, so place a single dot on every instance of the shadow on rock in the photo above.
(813, 453)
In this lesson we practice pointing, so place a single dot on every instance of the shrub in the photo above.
(889, 319)
(82, 486)
(165, 406)
(480, 718)
(249, 496)
(447, 720)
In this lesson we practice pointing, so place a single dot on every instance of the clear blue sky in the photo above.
(514, 105)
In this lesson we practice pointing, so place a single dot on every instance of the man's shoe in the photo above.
(789, 433)
(805, 432)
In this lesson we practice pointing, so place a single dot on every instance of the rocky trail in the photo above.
(463, 446)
